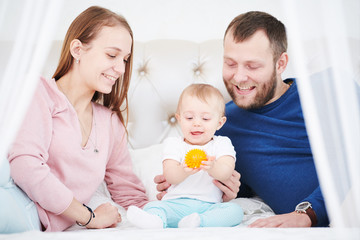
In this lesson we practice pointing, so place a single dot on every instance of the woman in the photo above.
(73, 136)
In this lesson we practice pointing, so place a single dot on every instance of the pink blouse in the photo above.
(48, 162)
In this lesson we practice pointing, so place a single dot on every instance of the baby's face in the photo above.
(199, 120)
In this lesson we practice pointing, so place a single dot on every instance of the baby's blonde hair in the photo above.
(204, 92)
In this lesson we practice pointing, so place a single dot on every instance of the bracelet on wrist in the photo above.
(92, 215)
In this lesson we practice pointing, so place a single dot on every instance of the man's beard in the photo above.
(265, 93)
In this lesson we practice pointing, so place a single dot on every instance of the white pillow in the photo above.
(147, 163)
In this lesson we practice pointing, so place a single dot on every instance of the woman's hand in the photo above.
(106, 215)
(229, 187)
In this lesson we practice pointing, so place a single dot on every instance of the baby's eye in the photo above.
(111, 56)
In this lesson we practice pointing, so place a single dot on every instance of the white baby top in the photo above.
(199, 185)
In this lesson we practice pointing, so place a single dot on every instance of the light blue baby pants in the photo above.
(171, 211)
(17, 212)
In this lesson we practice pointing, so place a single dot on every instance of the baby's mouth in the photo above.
(196, 133)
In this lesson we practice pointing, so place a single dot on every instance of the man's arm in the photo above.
(295, 219)
(292, 219)
(230, 187)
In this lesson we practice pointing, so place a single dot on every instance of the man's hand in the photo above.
(162, 186)
(288, 220)
(229, 187)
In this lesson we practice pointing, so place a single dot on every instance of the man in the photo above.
(265, 123)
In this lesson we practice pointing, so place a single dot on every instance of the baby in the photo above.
(192, 199)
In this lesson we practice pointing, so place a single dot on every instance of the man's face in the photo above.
(249, 71)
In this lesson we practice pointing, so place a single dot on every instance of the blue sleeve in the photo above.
(317, 201)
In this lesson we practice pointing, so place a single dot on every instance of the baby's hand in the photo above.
(207, 165)
(190, 171)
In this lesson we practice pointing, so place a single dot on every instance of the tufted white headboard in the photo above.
(163, 68)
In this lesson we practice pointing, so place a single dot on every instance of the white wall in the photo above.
(195, 20)
(199, 20)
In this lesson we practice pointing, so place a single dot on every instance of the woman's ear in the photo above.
(76, 48)
(282, 63)
(221, 122)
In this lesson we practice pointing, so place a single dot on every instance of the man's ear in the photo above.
(282, 63)
(76, 47)
(221, 122)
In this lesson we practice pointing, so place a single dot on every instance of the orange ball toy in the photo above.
(194, 157)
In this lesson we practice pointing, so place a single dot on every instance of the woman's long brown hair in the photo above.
(85, 28)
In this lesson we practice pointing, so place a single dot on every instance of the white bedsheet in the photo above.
(145, 168)
(253, 209)
(196, 234)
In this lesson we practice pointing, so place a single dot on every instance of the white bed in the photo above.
(161, 70)
(196, 234)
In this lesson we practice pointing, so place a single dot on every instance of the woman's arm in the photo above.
(125, 187)
(106, 215)
(29, 154)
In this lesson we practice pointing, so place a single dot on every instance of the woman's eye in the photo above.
(111, 56)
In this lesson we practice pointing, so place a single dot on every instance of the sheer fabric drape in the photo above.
(331, 102)
(35, 23)
(330, 98)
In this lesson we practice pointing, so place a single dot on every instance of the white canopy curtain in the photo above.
(329, 98)
(34, 35)
(331, 103)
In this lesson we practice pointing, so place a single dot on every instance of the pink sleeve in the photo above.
(125, 187)
(28, 157)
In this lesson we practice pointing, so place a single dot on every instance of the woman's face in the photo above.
(103, 61)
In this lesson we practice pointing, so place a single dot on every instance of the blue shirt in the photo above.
(274, 155)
